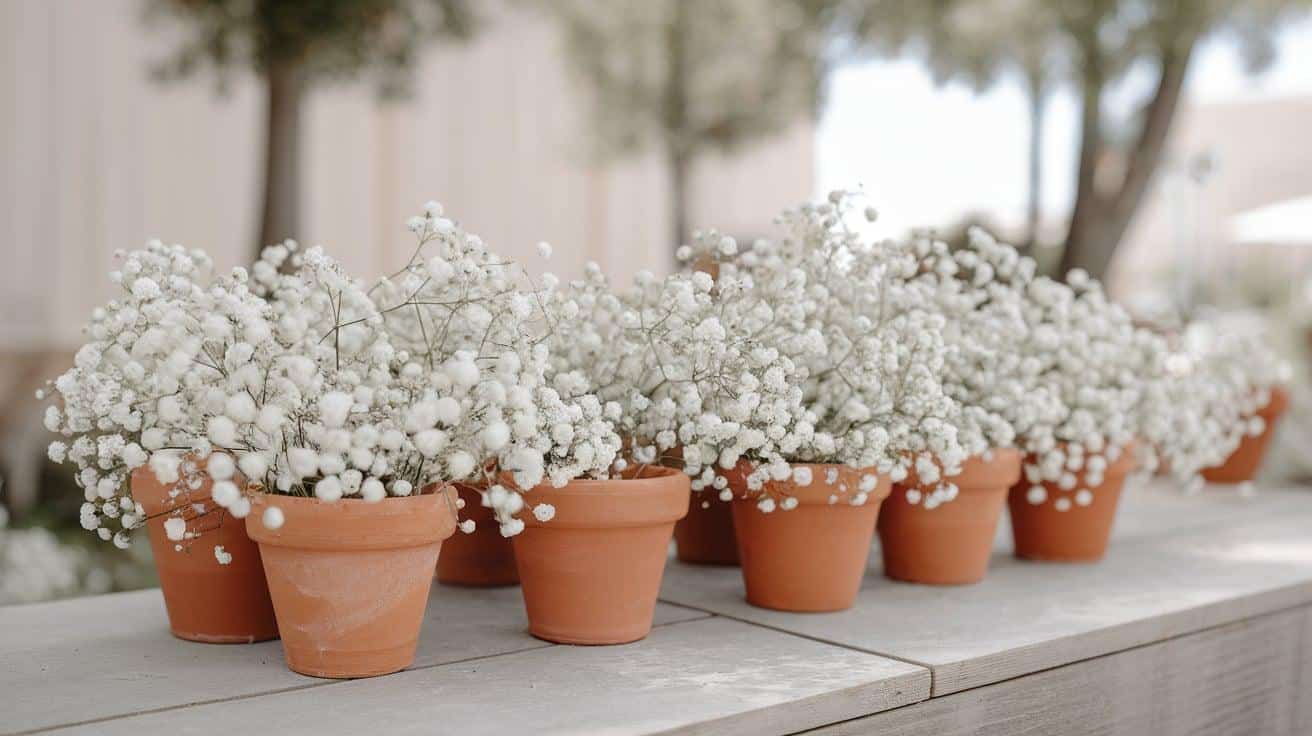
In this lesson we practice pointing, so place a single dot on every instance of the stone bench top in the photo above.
(713, 664)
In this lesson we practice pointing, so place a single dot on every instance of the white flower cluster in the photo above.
(1207, 399)
(868, 351)
(480, 326)
(121, 394)
(818, 347)
(295, 379)
(981, 290)
(689, 365)
(1100, 367)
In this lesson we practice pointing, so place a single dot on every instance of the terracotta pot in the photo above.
(812, 557)
(350, 579)
(206, 601)
(1079, 533)
(483, 559)
(705, 536)
(591, 575)
(1246, 460)
(950, 544)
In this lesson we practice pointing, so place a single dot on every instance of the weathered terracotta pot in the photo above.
(592, 573)
(812, 557)
(350, 579)
(1246, 460)
(206, 601)
(705, 536)
(1077, 534)
(950, 544)
(483, 559)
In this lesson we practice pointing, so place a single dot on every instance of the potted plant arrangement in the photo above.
(842, 319)
(387, 396)
(939, 530)
(590, 554)
(132, 415)
(1234, 353)
(607, 540)
(1086, 353)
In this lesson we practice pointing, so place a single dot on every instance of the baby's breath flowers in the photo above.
(474, 326)
(1235, 349)
(294, 378)
(867, 355)
(1083, 351)
(120, 401)
(1209, 394)
(687, 364)
(980, 292)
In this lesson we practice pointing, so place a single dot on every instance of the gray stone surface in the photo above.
(1028, 616)
(91, 658)
(712, 676)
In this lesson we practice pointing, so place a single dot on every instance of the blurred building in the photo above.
(1227, 197)
(99, 157)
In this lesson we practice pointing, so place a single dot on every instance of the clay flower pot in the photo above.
(206, 601)
(705, 536)
(1070, 531)
(812, 557)
(482, 559)
(1246, 460)
(592, 573)
(951, 543)
(350, 579)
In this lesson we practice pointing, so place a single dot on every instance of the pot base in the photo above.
(1080, 534)
(591, 586)
(350, 666)
(350, 579)
(576, 639)
(204, 638)
(593, 573)
(952, 543)
(810, 559)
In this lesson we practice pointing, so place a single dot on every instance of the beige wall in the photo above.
(96, 157)
(1260, 157)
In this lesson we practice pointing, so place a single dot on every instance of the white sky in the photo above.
(930, 155)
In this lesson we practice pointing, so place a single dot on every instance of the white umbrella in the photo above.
(1288, 222)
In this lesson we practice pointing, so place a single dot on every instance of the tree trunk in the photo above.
(675, 120)
(679, 166)
(282, 155)
(1038, 96)
(1085, 211)
(1092, 245)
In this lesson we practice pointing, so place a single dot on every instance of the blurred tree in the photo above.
(1089, 46)
(974, 42)
(294, 44)
(688, 76)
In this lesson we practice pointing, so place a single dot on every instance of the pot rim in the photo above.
(815, 494)
(1124, 464)
(355, 524)
(660, 496)
(978, 474)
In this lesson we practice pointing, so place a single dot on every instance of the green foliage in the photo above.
(691, 75)
(1058, 41)
(319, 39)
